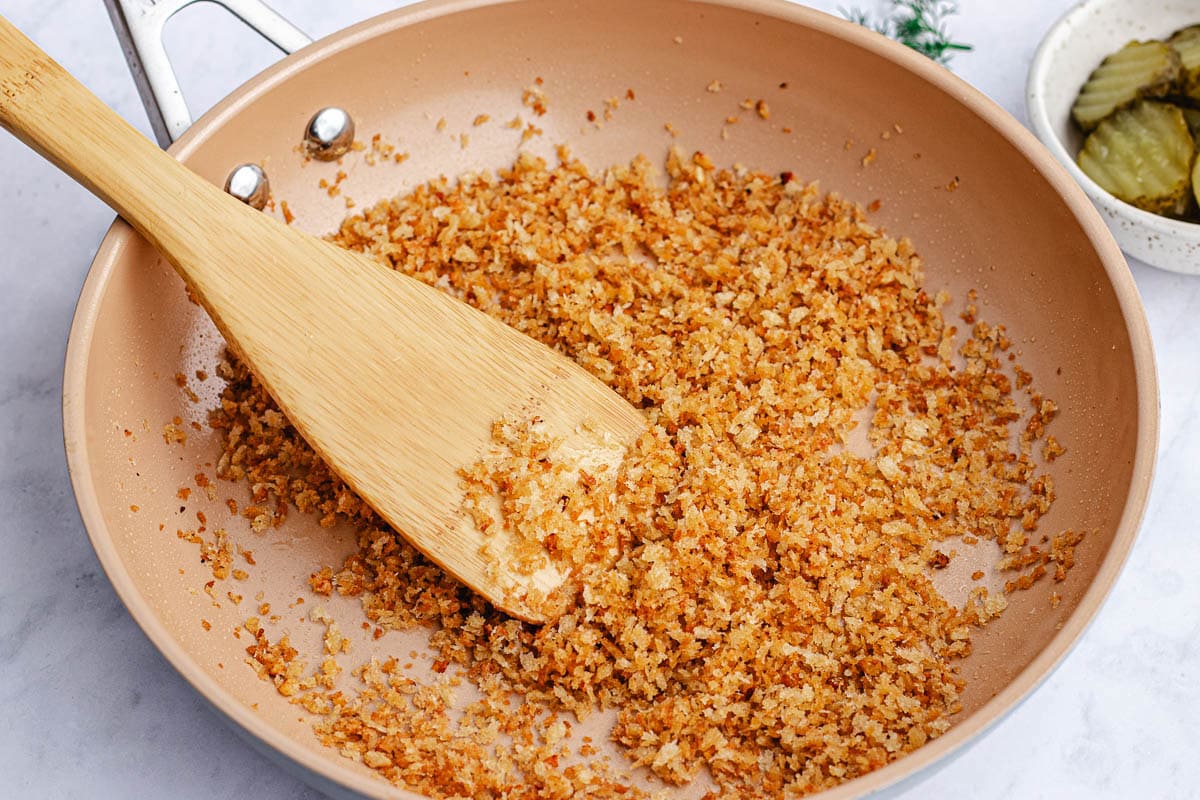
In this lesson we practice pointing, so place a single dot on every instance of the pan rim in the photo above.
(907, 769)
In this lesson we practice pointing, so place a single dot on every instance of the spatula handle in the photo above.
(54, 114)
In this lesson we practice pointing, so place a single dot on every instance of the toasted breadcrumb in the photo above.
(382, 151)
(181, 382)
(534, 98)
(529, 132)
(173, 434)
(754, 594)
(215, 552)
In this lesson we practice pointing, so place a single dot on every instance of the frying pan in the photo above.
(987, 207)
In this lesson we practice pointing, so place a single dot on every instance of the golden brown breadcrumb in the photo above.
(762, 608)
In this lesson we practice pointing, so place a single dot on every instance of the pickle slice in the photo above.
(1192, 116)
(1187, 43)
(1196, 179)
(1143, 155)
(1138, 70)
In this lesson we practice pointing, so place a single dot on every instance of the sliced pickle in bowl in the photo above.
(1144, 156)
(1187, 43)
(1196, 179)
(1136, 71)
(1192, 117)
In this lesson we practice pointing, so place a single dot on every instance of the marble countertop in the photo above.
(94, 711)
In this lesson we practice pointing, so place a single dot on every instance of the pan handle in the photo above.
(139, 26)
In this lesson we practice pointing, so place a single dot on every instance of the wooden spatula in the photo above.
(395, 384)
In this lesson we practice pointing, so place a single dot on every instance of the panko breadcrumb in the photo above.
(764, 610)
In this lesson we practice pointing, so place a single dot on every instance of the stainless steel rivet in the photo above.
(249, 184)
(329, 134)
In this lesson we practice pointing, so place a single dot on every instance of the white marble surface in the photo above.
(94, 711)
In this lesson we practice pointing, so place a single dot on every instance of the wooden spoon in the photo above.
(395, 384)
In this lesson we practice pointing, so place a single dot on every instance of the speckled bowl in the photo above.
(1067, 55)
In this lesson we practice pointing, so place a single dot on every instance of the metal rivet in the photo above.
(329, 134)
(249, 184)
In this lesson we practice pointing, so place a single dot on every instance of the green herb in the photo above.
(919, 24)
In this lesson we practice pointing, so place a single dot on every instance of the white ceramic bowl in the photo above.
(1071, 49)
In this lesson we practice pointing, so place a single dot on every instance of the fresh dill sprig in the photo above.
(919, 24)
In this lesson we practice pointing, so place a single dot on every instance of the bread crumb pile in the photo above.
(818, 432)
(555, 502)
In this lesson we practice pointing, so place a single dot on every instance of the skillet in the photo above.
(1016, 228)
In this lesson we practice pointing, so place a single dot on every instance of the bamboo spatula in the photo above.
(395, 384)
